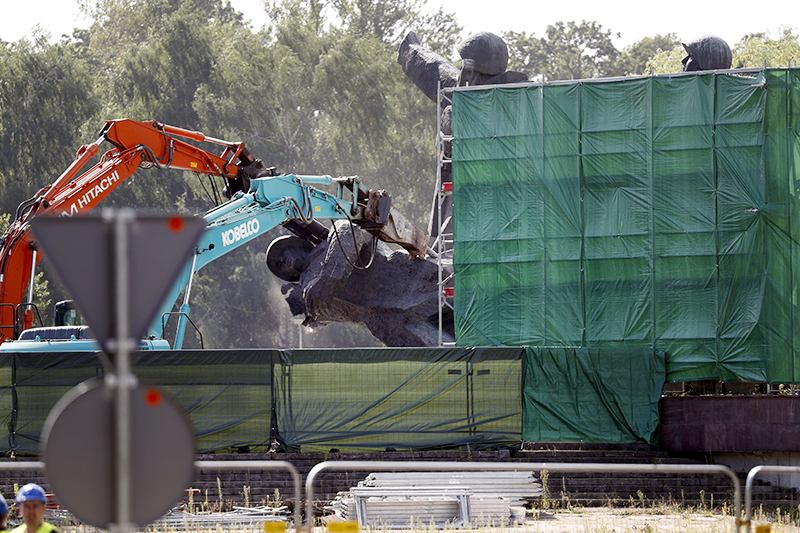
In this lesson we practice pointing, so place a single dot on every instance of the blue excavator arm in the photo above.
(291, 200)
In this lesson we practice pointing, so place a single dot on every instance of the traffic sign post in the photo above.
(118, 268)
(80, 453)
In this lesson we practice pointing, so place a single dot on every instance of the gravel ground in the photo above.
(616, 520)
(584, 520)
(607, 520)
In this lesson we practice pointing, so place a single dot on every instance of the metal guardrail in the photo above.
(434, 466)
(205, 465)
(22, 465)
(748, 487)
(262, 465)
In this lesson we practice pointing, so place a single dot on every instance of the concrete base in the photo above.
(742, 424)
(742, 463)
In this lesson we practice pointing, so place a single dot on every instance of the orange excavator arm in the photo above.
(135, 144)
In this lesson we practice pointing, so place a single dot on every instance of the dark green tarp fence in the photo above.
(658, 213)
(307, 400)
(410, 398)
(592, 395)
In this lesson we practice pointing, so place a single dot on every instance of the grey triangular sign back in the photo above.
(82, 251)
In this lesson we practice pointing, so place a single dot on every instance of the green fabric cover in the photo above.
(592, 395)
(657, 212)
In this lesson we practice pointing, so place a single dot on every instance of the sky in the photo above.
(633, 19)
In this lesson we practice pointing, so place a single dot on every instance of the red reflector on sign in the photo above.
(175, 224)
(152, 397)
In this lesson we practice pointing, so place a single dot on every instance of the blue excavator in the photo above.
(293, 202)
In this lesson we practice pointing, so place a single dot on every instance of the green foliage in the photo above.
(666, 61)
(439, 31)
(578, 51)
(525, 54)
(42, 298)
(160, 76)
(758, 49)
(568, 51)
(46, 96)
(377, 18)
(633, 59)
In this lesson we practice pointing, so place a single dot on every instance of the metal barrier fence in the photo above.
(452, 466)
(22, 465)
(206, 465)
(748, 487)
(434, 466)
(262, 465)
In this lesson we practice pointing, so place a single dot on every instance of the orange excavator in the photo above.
(135, 145)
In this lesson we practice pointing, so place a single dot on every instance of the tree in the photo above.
(666, 61)
(633, 59)
(46, 97)
(568, 51)
(525, 54)
(578, 51)
(379, 18)
(333, 103)
(758, 49)
(263, 92)
(439, 30)
(159, 77)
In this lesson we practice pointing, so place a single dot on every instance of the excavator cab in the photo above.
(67, 315)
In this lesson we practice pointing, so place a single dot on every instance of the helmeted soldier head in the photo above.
(707, 53)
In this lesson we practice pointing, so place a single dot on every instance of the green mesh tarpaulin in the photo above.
(7, 415)
(414, 398)
(592, 395)
(226, 394)
(33, 384)
(656, 212)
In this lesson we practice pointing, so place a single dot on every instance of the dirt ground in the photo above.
(607, 520)
(618, 520)
(583, 520)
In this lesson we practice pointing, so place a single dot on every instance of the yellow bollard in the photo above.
(342, 527)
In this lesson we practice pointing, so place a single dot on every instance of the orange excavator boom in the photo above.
(135, 144)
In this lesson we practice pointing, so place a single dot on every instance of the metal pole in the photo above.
(21, 465)
(748, 487)
(263, 465)
(33, 274)
(439, 185)
(121, 348)
(182, 318)
(434, 466)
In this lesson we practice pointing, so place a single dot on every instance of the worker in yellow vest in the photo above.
(31, 501)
